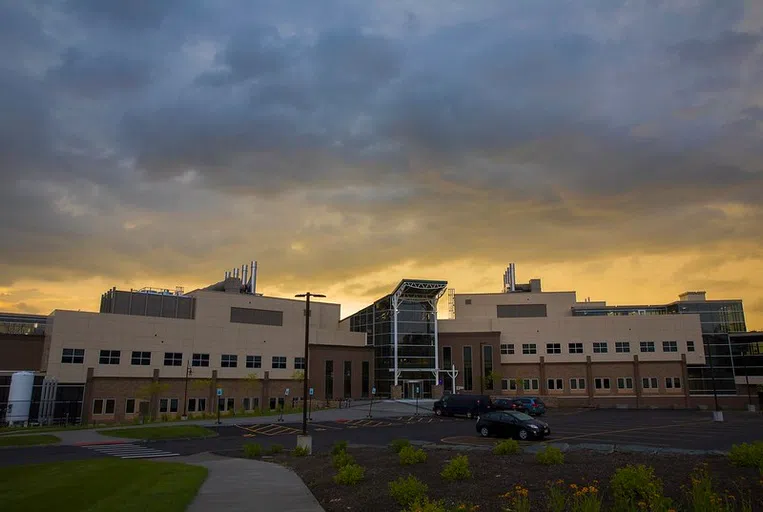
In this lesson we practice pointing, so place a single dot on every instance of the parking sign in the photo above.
(219, 391)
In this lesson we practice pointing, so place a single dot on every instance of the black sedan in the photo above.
(511, 424)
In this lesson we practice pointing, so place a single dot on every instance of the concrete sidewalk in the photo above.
(243, 485)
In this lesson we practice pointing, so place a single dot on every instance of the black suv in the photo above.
(470, 406)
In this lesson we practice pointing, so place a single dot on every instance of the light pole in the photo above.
(307, 355)
(188, 373)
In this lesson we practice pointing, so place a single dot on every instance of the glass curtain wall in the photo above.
(416, 343)
(718, 319)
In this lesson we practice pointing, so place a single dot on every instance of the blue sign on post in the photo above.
(373, 391)
(312, 391)
(219, 391)
(417, 390)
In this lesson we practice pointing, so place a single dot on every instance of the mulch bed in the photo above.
(494, 475)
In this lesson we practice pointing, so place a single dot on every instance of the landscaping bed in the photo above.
(494, 479)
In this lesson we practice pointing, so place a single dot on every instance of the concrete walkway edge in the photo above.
(236, 485)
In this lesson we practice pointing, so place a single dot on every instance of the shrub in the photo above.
(457, 469)
(407, 491)
(301, 451)
(252, 450)
(399, 444)
(747, 454)
(339, 447)
(634, 484)
(550, 456)
(341, 459)
(410, 455)
(507, 447)
(350, 474)
(276, 448)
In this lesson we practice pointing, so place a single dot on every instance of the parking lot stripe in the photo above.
(634, 429)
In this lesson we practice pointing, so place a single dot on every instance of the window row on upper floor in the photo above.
(597, 347)
(144, 358)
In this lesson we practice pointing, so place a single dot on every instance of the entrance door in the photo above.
(412, 389)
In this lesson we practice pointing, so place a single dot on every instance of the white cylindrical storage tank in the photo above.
(20, 397)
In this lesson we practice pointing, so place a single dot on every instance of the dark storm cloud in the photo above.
(98, 75)
(168, 132)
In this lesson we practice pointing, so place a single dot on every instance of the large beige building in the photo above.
(149, 352)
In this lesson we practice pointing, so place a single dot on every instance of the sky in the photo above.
(612, 147)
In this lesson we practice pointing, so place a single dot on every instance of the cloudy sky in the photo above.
(608, 146)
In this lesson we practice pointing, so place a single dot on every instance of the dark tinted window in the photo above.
(256, 316)
(521, 310)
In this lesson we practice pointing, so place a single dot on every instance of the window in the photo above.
(577, 383)
(109, 357)
(601, 383)
(447, 357)
(509, 384)
(191, 405)
(347, 379)
(467, 301)
(101, 406)
(254, 361)
(329, 383)
(279, 362)
(197, 404)
(365, 380)
(250, 404)
(229, 361)
(299, 363)
(690, 346)
(670, 346)
(273, 403)
(600, 347)
(553, 348)
(529, 348)
(646, 346)
(168, 405)
(649, 383)
(530, 384)
(555, 384)
(487, 366)
(624, 383)
(256, 316)
(73, 355)
(521, 310)
(507, 349)
(230, 404)
(200, 360)
(467, 368)
(130, 406)
(173, 359)
(622, 347)
(672, 382)
(140, 358)
(575, 348)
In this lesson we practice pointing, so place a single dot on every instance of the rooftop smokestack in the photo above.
(244, 274)
(253, 278)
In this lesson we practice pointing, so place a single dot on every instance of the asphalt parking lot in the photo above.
(694, 430)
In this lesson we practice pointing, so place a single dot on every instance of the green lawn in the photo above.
(171, 432)
(100, 485)
(28, 440)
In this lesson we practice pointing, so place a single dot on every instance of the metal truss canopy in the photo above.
(419, 290)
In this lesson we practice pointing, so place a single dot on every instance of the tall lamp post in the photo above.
(188, 373)
(305, 384)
